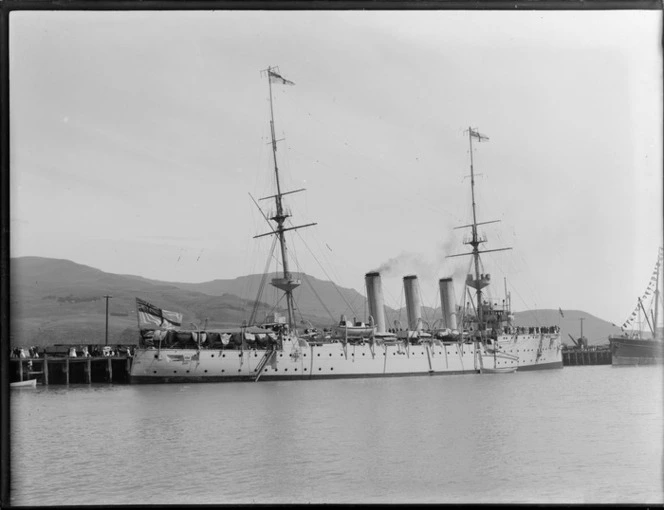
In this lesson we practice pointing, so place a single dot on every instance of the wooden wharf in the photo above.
(592, 355)
(72, 370)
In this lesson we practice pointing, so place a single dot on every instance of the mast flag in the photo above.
(476, 134)
(277, 78)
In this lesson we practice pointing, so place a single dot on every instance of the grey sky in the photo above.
(137, 136)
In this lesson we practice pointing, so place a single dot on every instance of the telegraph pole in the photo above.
(106, 337)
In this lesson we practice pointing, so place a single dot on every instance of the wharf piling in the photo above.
(72, 370)
(592, 355)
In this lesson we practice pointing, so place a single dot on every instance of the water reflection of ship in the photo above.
(478, 337)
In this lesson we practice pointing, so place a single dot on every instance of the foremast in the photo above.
(477, 281)
(287, 282)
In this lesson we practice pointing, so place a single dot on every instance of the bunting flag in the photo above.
(276, 78)
(650, 288)
(152, 317)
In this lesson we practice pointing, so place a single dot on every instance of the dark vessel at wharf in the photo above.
(478, 337)
(631, 348)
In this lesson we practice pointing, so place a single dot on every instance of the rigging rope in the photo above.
(350, 307)
(261, 286)
(306, 279)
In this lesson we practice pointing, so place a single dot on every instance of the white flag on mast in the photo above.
(476, 134)
(277, 78)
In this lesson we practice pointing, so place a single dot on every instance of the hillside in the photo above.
(314, 297)
(60, 301)
(596, 330)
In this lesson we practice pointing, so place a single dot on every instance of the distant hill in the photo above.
(60, 301)
(595, 330)
(314, 297)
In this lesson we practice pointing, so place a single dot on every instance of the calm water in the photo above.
(580, 434)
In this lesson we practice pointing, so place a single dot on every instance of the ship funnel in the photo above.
(448, 303)
(412, 290)
(375, 297)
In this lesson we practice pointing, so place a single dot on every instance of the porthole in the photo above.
(223, 355)
(205, 371)
(305, 355)
(331, 368)
(255, 370)
(212, 355)
(156, 356)
(222, 370)
(276, 369)
(319, 354)
(175, 371)
(330, 354)
(296, 369)
(319, 369)
(240, 355)
(341, 354)
(154, 372)
(305, 369)
(188, 371)
(255, 355)
(239, 370)
(363, 354)
(285, 370)
(281, 355)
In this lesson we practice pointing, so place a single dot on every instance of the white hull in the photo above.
(299, 360)
(30, 383)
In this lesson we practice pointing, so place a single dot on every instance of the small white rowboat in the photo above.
(30, 383)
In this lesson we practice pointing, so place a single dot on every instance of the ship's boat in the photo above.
(354, 330)
(479, 337)
(30, 383)
(506, 370)
(633, 346)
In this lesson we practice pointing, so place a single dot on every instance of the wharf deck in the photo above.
(594, 355)
(71, 370)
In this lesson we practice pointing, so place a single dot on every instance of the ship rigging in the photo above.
(287, 283)
(480, 280)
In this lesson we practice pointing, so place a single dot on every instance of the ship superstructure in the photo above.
(483, 342)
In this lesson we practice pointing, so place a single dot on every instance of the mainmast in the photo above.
(479, 281)
(287, 282)
(475, 241)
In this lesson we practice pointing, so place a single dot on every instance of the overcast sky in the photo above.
(137, 137)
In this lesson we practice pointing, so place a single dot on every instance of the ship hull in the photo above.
(298, 360)
(632, 351)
